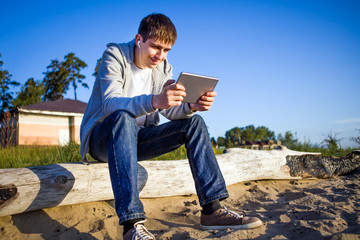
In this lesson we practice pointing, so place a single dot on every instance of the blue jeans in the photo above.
(118, 141)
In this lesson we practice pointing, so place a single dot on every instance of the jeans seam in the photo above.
(117, 170)
(191, 160)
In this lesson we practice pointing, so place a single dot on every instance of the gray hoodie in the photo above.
(111, 84)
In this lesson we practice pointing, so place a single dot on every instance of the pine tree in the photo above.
(73, 66)
(61, 74)
(6, 96)
(30, 93)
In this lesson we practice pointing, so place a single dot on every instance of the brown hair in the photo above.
(159, 27)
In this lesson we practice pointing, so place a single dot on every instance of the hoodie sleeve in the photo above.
(178, 112)
(111, 77)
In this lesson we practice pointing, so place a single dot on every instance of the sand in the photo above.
(302, 209)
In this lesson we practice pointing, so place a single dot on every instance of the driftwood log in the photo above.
(322, 167)
(27, 189)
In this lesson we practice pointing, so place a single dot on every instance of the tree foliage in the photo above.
(221, 141)
(55, 82)
(237, 136)
(6, 95)
(356, 139)
(250, 134)
(288, 140)
(234, 135)
(73, 66)
(31, 92)
(60, 75)
(97, 67)
(332, 142)
(263, 133)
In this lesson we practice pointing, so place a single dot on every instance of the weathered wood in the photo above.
(322, 167)
(27, 189)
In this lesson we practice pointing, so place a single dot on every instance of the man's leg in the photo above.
(115, 141)
(209, 183)
(157, 140)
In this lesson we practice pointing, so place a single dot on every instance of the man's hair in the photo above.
(159, 27)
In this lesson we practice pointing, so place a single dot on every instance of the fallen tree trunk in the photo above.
(26, 189)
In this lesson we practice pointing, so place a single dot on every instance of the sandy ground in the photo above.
(304, 209)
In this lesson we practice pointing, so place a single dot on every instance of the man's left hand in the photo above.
(204, 103)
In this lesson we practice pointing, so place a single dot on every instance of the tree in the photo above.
(30, 93)
(263, 133)
(332, 142)
(5, 93)
(356, 139)
(248, 133)
(234, 136)
(97, 67)
(288, 140)
(213, 142)
(73, 66)
(55, 82)
(228, 143)
(60, 75)
(221, 141)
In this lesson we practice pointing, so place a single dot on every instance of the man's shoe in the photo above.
(138, 232)
(223, 218)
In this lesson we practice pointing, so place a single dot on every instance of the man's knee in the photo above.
(123, 115)
(197, 124)
(122, 118)
(198, 120)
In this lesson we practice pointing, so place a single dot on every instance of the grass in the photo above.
(30, 156)
(180, 153)
(308, 147)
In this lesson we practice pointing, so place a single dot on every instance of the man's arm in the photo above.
(172, 95)
(111, 78)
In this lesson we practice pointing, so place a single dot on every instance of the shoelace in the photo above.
(141, 233)
(232, 213)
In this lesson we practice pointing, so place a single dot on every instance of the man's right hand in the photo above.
(171, 95)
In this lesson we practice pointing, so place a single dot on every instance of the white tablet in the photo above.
(196, 85)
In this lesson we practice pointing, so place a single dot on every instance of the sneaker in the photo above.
(139, 232)
(223, 218)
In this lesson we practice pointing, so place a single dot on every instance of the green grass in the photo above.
(308, 147)
(30, 156)
(179, 154)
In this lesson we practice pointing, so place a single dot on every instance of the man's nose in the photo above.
(160, 54)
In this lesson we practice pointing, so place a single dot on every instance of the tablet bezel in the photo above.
(196, 85)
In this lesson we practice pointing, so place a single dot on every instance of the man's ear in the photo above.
(138, 38)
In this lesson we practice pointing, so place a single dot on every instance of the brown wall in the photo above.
(40, 129)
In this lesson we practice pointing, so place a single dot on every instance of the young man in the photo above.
(120, 126)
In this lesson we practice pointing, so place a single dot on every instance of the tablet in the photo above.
(196, 85)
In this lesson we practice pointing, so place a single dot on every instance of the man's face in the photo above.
(151, 53)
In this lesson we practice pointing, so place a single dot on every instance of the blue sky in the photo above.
(287, 65)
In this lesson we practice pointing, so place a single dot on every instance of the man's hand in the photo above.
(204, 103)
(171, 95)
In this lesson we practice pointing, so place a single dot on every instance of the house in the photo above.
(261, 145)
(47, 123)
